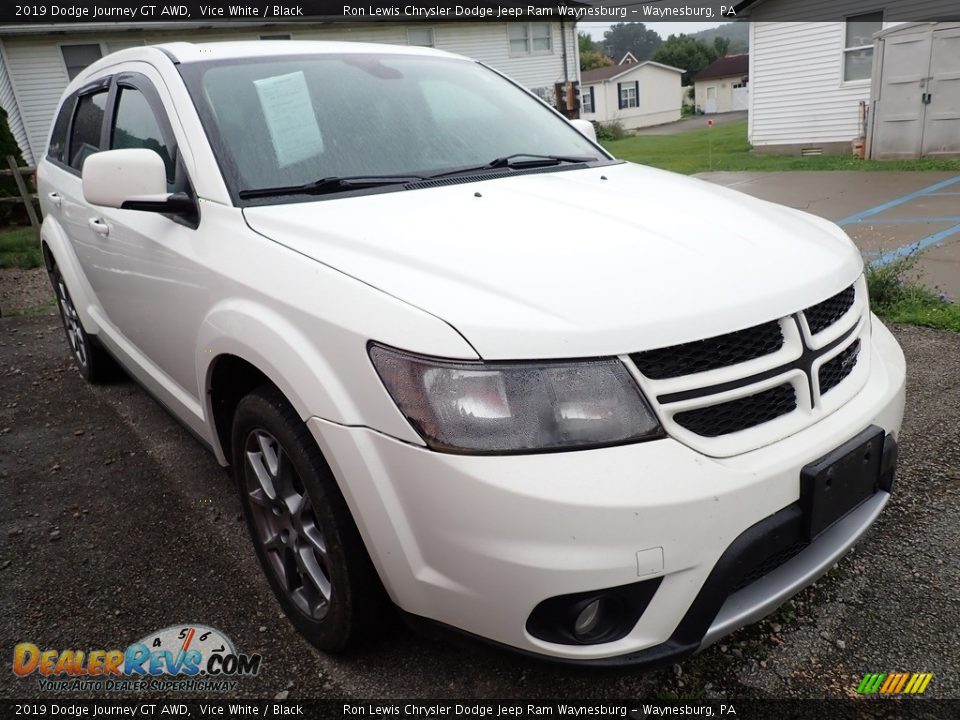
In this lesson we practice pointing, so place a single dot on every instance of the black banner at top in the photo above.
(14, 13)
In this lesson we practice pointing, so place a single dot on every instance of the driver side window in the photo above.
(136, 126)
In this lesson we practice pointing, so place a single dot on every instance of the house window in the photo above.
(530, 38)
(420, 36)
(545, 93)
(277, 36)
(78, 57)
(586, 99)
(629, 93)
(858, 45)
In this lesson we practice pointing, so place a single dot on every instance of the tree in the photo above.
(591, 56)
(721, 45)
(687, 53)
(630, 37)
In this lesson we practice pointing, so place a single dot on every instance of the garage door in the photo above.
(917, 94)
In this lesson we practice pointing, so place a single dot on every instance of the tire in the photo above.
(93, 362)
(302, 531)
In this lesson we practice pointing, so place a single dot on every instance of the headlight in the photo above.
(504, 407)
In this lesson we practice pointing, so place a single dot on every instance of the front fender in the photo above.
(334, 381)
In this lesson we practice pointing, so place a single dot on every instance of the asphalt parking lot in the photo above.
(114, 522)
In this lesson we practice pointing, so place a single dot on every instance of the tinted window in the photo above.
(136, 126)
(282, 121)
(85, 137)
(58, 138)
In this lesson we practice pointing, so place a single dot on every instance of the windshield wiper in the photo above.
(519, 161)
(333, 184)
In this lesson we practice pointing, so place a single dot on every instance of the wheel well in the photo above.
(232, 378)
(48, 260)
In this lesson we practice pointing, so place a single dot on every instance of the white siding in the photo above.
(797, 92)
(38, 75)
(659, 98)
(8, 102)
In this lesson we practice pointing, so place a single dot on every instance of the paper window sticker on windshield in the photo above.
(291, 121)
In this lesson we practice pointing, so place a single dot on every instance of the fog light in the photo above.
(592, 617)
(587, 620)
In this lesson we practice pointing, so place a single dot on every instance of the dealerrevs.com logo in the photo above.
(180, 657)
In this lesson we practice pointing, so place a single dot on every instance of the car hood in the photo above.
(596, 261)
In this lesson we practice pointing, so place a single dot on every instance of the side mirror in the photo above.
(585, 128)
(131, 179)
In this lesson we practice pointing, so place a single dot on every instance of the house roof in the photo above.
(744, 7)
(729, 66)
(588, 77)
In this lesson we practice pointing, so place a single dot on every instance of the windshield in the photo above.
(289, 121)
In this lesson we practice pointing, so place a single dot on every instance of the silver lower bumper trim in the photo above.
(769, 592)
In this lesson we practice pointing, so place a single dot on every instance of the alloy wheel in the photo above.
(71, 322)
(286, 525)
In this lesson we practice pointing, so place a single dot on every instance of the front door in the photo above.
(164, 288)
(710, 106)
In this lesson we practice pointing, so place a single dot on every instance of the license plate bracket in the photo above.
(833, 485)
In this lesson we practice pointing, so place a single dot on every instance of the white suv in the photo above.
(452, 348)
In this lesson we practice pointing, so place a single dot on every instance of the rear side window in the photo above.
(87, 123)
(137, 127)
(58, 138)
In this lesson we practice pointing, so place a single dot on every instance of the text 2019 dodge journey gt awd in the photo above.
(455, 350)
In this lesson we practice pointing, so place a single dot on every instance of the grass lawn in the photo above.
(898, 296)
(19, 249)
(690, 152)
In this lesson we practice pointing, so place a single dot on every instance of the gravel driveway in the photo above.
(114, 523)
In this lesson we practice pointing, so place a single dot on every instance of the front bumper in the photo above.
(477, 543)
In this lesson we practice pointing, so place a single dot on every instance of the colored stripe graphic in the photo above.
(870, 683)
(894, 683)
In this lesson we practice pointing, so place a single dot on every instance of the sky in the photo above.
(664, 29)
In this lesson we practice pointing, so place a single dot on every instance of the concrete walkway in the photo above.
(889, 215)
(697, 122)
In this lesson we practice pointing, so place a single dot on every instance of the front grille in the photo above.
(824, 314)
(710, 354)
(768, 564)
(740, 414)
(835, 370)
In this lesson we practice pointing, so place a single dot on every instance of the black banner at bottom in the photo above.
(498, 709)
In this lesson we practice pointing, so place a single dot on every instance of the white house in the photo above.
(635, 94)
(723, 86)
(37, 61)
(810, 81)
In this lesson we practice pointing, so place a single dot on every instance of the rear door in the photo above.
(90, 240)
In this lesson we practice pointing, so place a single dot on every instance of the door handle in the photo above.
(99, 226)
(54, 198)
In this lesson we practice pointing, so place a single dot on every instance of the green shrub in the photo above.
(10, 213)
(897, 294)
(610, 131)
